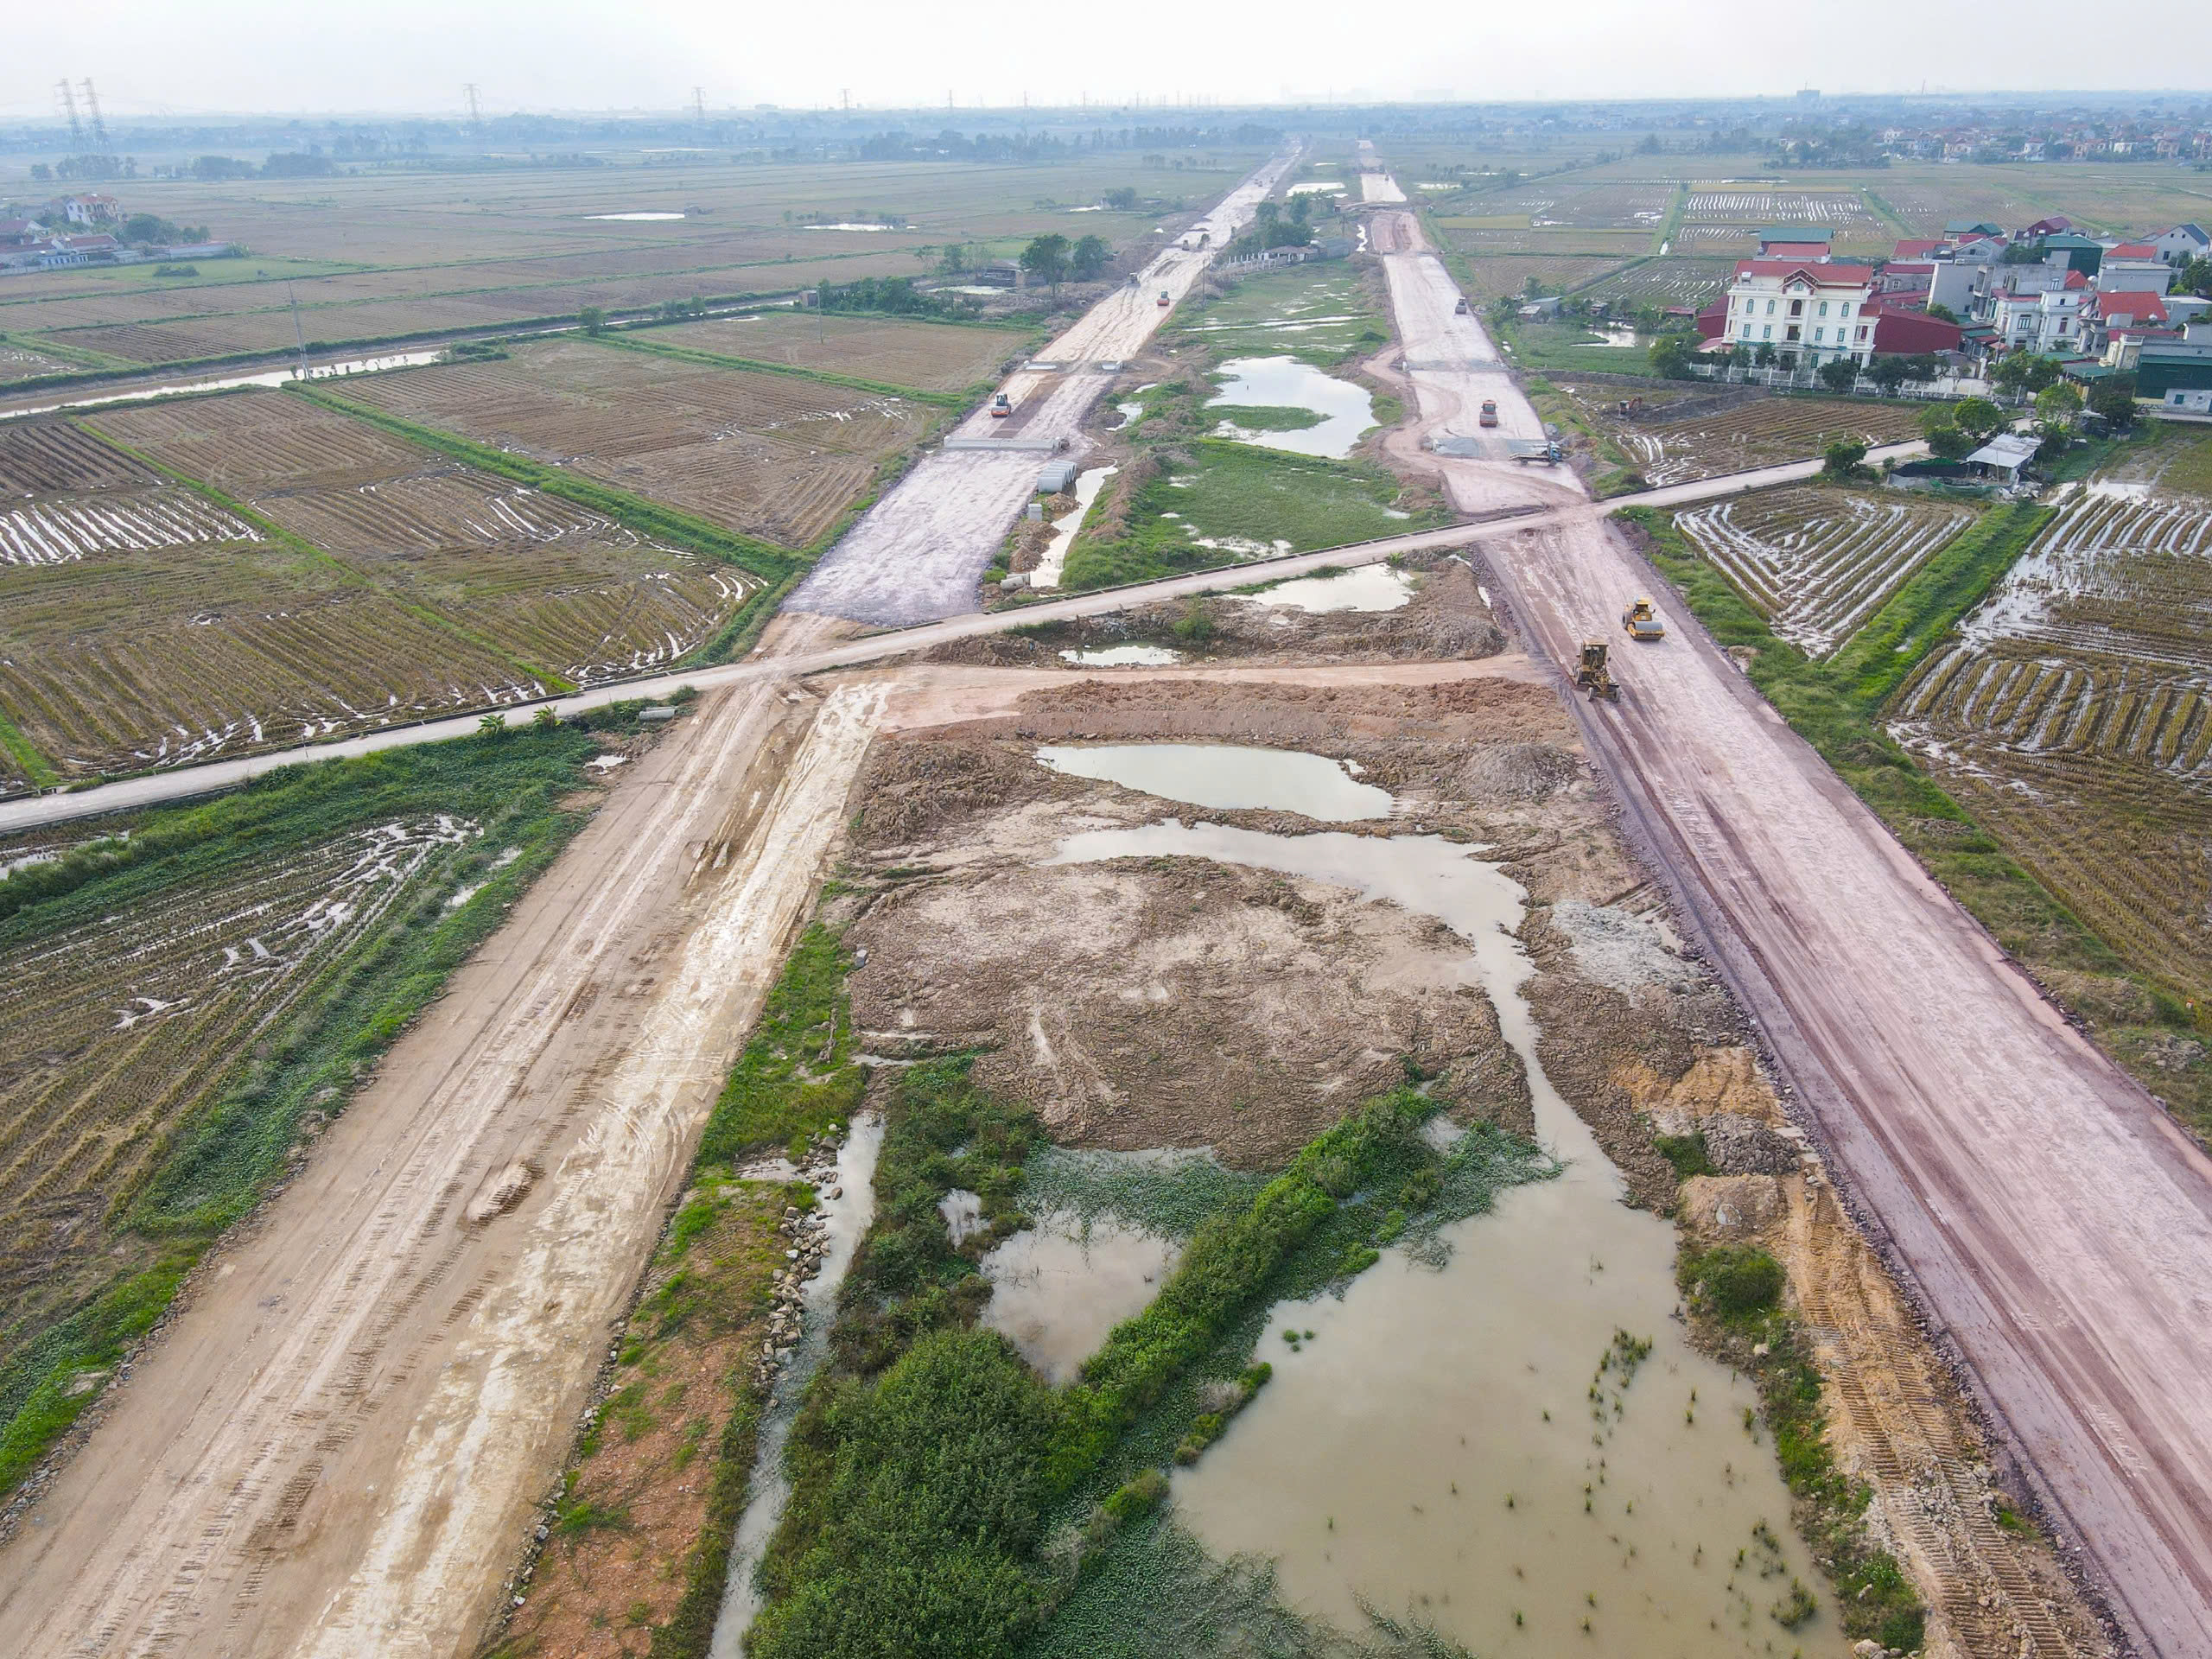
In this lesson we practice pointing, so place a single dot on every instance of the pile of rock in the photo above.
(806, 1236)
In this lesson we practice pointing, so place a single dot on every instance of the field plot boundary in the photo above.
(354, 577)
(954, 400)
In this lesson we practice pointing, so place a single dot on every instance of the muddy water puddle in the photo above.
(1055, 557)
(1469, 1445)
(1058, 1287)
(1346, 410)
(1368, 587)
(848, 1215)
(1226, 776)
(1124, 657)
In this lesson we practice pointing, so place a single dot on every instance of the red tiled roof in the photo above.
(1826, 275)
(2141, 308)
(2075, 279)
(2132, 250)
(1918, 248)
(1814, 250)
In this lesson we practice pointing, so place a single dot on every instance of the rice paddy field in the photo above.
(938, 357)
(1491, 276)
(2072, 713)
(385, 255)
(1818, 563)
(778, 457)
(330, 578)
(1669, 281)
(1680, 435)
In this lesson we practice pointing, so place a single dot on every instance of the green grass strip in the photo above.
(29, 761)
(640, 341)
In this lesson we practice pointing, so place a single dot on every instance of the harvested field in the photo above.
(2072, 715)
(1663, 282)
(1491, 276)
(143, 625)
(927, 356)
(1626, 205)
(1759, 432)
(1818, 563)
(1738, 204)
(772, 455)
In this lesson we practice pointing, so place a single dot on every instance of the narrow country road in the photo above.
(2052, 1220)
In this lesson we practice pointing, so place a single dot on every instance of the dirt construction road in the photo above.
(919, 554)
(337, 1449)
(2053, 1221)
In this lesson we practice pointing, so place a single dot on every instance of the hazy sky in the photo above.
(186, 56)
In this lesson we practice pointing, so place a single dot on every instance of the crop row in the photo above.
(1775, 206)
(54, 532)
(1817, 562)
(1761, 432)
(39, 455)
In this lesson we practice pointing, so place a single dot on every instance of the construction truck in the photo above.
(1460, 309)
(1488, 416)
(1544, 449)
(1164, 300)
(1642, 621)
(1594, 676)
(1002, 406)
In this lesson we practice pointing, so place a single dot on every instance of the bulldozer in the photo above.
(1642, 621)
(1594, 676)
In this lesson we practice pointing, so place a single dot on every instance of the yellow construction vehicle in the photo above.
(1594, 676)
(1643, 622)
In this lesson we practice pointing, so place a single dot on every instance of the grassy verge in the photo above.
(232, 1144)
(1245, 499)
(25, 756)
(1734, 1295)
(944, 1498)
(797, 1078)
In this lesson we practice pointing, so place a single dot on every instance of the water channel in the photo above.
(848, 1216)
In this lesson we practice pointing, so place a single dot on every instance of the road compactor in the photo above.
(1594, 676)
(1642, 621)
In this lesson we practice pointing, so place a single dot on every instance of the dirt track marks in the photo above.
(338, 1446)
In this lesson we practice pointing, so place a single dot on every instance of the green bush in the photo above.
(797, 1078)
(1741, 1282)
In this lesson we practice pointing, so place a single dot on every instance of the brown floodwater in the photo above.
(1446, 1444)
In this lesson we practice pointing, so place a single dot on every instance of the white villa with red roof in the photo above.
(1812, 310)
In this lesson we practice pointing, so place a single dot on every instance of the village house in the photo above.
(2182, 244)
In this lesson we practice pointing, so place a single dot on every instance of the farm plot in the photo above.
(1735, 205)
(1497, 276)
(1684, 281)
(1619, 205)
(110, 1031)
(2074, 713)
(927, 356)
(771, 456)
(146, 627)
(1760, 433)
(1815, 563)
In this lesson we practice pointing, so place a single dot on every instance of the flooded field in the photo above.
(1520, 1449)
(1346, 411)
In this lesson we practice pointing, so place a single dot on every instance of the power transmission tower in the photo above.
(69, 110)
(100, 127)
(699, 104)
(476, 115)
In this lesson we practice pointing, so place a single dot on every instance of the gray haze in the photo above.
(411, 55)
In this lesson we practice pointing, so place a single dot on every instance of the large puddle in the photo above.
(848, 1215)
(1058, 1287)
(1346, 410)
(1224, 776)
(1470, 1447)
(1368, 588)
(1124, 657)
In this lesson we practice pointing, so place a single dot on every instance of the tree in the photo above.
(1843, 459)
(593, 319)
(2195, 278)
(1123, 201)
(1977, 417)
(2057, 405)
(1889, 372)
(2019, 372)
(1946, 442)
(1840, 374)
(1089, 257)
(1670, 357)
(1942, 313)
(1765, 359)
(2113, 399)
(1046, 259)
